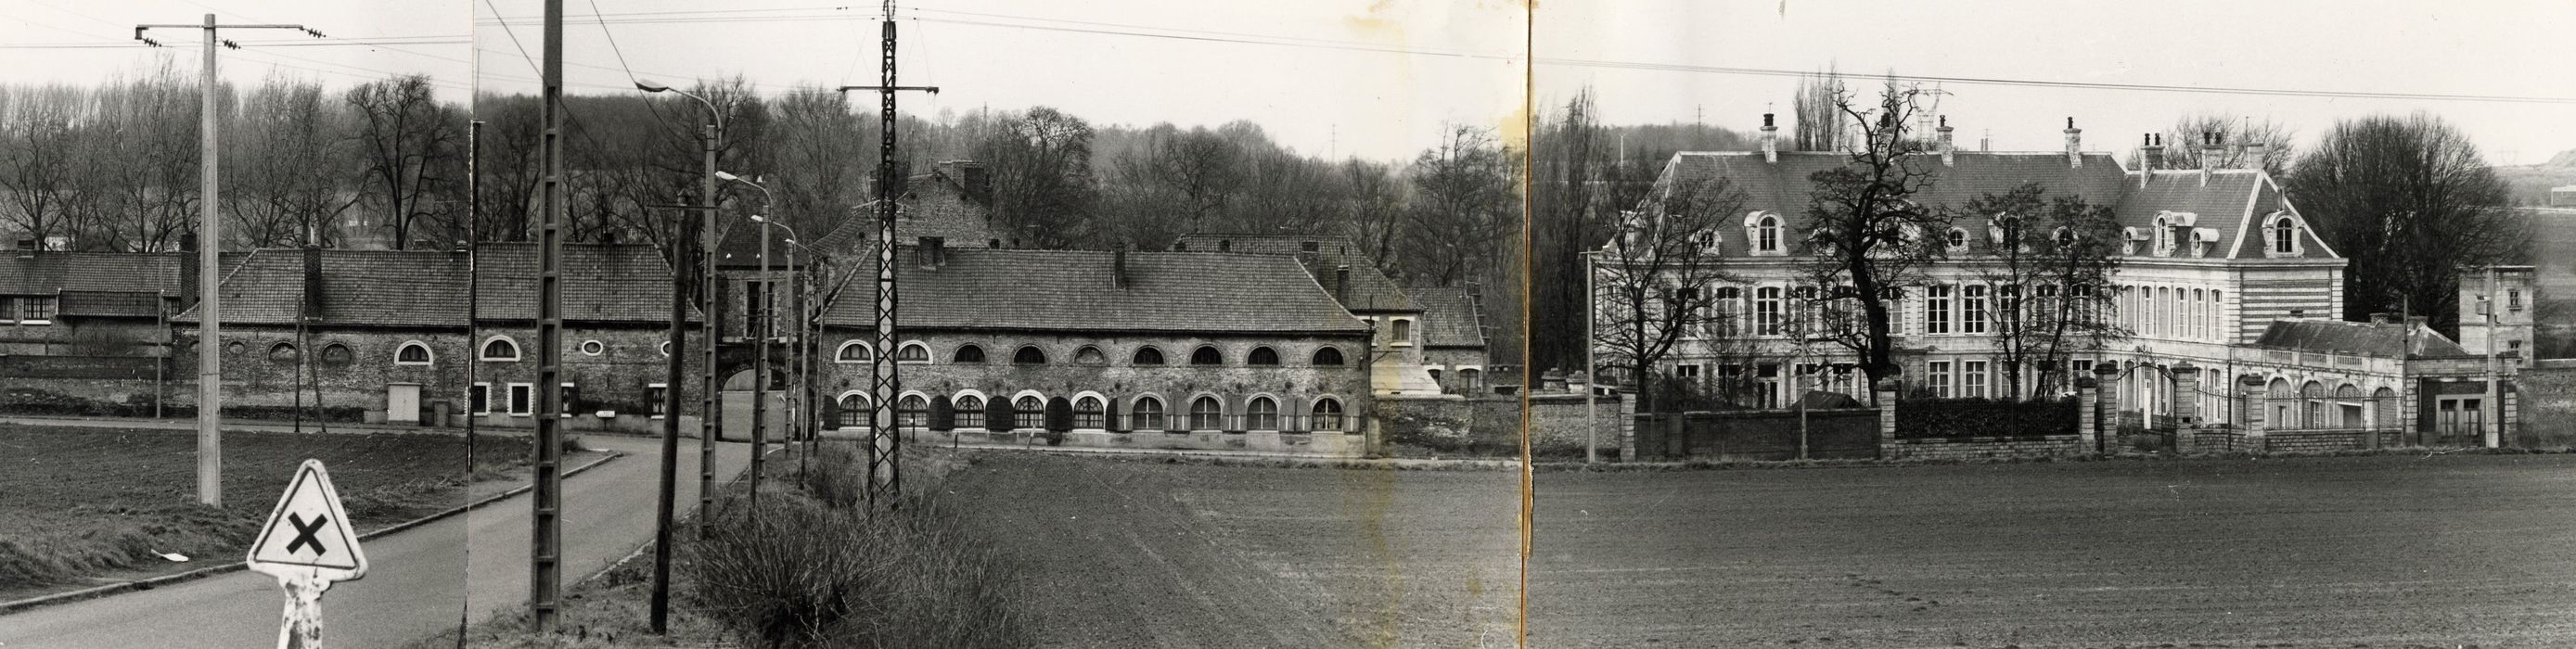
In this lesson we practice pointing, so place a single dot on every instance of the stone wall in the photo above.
(1453, 424)
(617, 378)
(1968, 448)
(1556, 424)
(2548, 403)
(1839, 433)
(1297, 383)
(79, 385)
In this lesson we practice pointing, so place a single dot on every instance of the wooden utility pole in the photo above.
(885, 444)
(545, 569)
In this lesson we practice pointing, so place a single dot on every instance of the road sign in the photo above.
(308, 536)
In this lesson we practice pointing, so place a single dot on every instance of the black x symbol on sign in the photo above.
(304, 534)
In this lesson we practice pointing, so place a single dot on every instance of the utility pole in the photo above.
(545, 570)
(885, 445)
(210, 360)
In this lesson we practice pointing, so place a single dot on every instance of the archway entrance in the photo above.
(737, 408)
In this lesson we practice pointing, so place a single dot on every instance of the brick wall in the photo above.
(1967, 448)
(1844, 433)
(2547, 404)
(1556, 423)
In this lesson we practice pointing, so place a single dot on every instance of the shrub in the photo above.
(797, 572)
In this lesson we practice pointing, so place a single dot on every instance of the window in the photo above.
(1468, 378)
(337, 354)
(1148, 356)
(1087, 413)
(854, 352)
(2281, 236)
(656, 392)
(970, 411)
(1328, 356)
(1729, 302)
(1686, 375)
(1309, 246)
(2513, 299)
(967, 354)
(1262, 356)
(593, 348)
(1147, 415)
(911, 411)
(500, 348)
(1764, 232)
(1940, 378)
(1328, 414)
(1089, 355)
(665, 348)
(478, 398)
(1028, 412)
(2063, 237)
(567, 398)
(1403, 332)
(2164, 239)
(2217, 316)
(1957, 240)
(1972, 309)
(1206, 414)
(28, 309)
(523, 399)
(412, 353)
(2460, 417)
(1262, 414)
(1766, 310)
(1936, 309)
(912, 353)
(755, 310)
(1028, 355)
(1972, 378)
(854, 411)
(1207, 355)
(281, 353)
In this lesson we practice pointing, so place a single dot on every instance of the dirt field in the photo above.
(2328, 552)
(1137, 553)
(83, 501)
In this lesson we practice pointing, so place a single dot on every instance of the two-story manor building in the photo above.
(2220, 284)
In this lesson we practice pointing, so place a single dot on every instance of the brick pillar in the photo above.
(2253, 387)
(1627, 426)
(2186, 404)
(2106, 405)
(2086, 421)
(1886, 394)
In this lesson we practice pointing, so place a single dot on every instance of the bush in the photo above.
(1980, 417)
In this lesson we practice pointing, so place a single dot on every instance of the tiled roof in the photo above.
(1371, 291)
(51, 272)
(2362, 338)
(1449, 317)
(934, 208)
(427, 288)
(1076, 290)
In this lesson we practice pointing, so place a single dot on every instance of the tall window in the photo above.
(1088, 414)
(478, 398)
(1207, 355)
(1147, 415)
(1028, 412)
(1766, 310)
(1936, 309)
(1972, 309)
(1148, 356)
(1972, 379)
(1206, 414)
(2285, 236)
(1940, 378)
(2217, 316)
(970, 411)
(1263, 414)
(1766, 234)
(1728, 307)
(1328, 414)
(1262, 356)
(523, 399)
(1802, 301)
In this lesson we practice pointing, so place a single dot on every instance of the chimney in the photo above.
(1941, 139)
(312, 282)
(2211, 146)
(1341, 282)
(2415, 322)
(2380, 318)
(187, 270)
(932, 253)
(1118, 267)
(27, 247)
(1883, 138)
(2074, 144)
(2254, 155)
(1770, 139)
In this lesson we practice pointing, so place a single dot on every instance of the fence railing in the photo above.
(1125, 422)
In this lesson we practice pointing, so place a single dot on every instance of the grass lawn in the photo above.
(1128, 552)
(89, 503)
(2389, 551)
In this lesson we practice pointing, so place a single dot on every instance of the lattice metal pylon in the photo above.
(885, 442)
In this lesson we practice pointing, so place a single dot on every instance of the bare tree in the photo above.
(281, 185)
(1820, 126)
(407, 143)
(1463, 204)
(1653, 288)
(2182, 146)
(821, 155)
(2409, 201)
(1042, 183)
(1865, 234)
(38, 152)
(2047, 268)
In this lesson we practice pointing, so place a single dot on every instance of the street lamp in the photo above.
(708, 136)
(796, 428)
(760, 347)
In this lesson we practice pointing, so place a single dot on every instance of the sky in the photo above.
(1381, 79)
(2501, 47)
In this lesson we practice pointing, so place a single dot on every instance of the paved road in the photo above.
(420, 578)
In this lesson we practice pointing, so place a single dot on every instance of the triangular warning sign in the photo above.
(309, 535)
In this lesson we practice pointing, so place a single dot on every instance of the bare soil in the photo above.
(2316, 552)
(1125, 552)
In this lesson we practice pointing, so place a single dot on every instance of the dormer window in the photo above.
(2063, 237)
(1707, 241)
(2281, 236)
(1762, 229)
(1957, 240)
(2006, 230)
(2164, 237)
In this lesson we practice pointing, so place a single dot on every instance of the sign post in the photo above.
(307, 544)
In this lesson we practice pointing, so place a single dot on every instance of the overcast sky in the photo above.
(1378, 79)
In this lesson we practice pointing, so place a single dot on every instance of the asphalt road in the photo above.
(421, 579)
(2381, 552)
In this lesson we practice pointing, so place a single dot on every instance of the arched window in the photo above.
(1089, 355)
(500, 348)
(1328, 356)
(912, 353)
(970, 411)
(1148, 356)
(1207, 414)
(336, 354)
(1207, 355)
(1764, 232)
(2313, 395)
(1262, 356)
(1262, 414)
(1088, 413)
(854, 352)
(2281, 236)
(911, 411)
(281, 353)
(1328, 414)
(854, 410)
(1403, 331)
(2163, 234)
(1028, 412)
(412, 353)
(1147, 415)
(1028, 355)
(967, 354)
